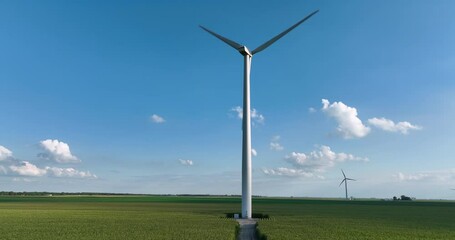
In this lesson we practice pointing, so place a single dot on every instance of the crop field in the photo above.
(330, 219)
(156, 217)
(113, 218)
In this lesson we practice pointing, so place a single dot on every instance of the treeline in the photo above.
(12, 193)
(402, 198)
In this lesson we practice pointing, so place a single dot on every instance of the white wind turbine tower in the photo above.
(246, 122)
(345, 180)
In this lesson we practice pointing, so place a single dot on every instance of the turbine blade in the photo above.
(227, 41)
(271, 41)
(342, 182)
(351, 179)
(343, 173)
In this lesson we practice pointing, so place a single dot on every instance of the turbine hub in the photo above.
(244, 51)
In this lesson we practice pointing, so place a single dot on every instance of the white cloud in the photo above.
(253, 152)
(321, 159)
(349, 125)
(68, 172)
(157, 119)
(57, 151)
(413, 177)
(5, 153)
(276, 146)
(289, 172)
(313, 163)
(18, 179)
(239, 111)
(439, 175)
(255, 115)
(311, 110)
(186, 162)
(28, 169)
(390, 126)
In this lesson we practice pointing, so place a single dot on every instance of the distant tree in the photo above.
(405, 198)
(395, 198)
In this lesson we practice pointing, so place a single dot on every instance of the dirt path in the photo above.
(247, 229)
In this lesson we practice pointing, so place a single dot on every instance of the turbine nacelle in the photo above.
(245, 51)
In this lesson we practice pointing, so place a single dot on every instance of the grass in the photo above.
(172, 217)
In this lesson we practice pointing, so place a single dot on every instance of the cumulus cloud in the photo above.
(289, 172)
(349, 125)
(321, 159)
(253, 152)
(413, 177)
(311, 110)
(255, 115)
(276, 146)
(5, 153)
(157, 119)
(68, 172)
(390, 126)
(439, 175)
(57, 151)
(28, 169)
(313, 163)
(186, 162)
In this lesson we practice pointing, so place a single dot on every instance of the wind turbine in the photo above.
(345, 180)
(246, 122)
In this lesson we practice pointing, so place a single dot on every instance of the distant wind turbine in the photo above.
(345, 180)
(246, 122)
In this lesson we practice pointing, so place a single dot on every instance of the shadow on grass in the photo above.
(254, 215)
(259, 234)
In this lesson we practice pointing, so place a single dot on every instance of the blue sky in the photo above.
(366, 86)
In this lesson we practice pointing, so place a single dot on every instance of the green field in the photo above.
(113, 218)
(358, 220)
(154, 217)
